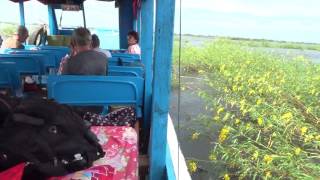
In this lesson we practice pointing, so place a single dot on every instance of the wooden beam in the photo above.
(161, 86)
(146, 42)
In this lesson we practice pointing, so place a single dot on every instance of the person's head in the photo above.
(22, 34)
(95, 41)
(133, 38)
(80, 40)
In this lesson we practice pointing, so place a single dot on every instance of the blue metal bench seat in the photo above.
(55, 55)
(25, 64)
(125, 55)
(9, 77)
(97, 90)
(47, 58)
(137, 71)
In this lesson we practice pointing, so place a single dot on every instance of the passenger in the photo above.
(133, 43)
(17, 40)
(84, 60)
(96, 46)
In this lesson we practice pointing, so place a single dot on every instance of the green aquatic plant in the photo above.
(267, 109)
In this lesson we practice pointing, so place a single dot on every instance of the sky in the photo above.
(289, 20)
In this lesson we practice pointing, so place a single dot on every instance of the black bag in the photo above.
(52, 138)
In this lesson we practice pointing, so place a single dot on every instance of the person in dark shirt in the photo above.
(84, 60)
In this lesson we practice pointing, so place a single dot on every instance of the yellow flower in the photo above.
(192, 166)
(297, 151)
(260, 121)
(226, 90)
(317, 138)
(248, 126)
(226, 177)
(308, 138)
(287, 116)
(201, 71)
(268, 174)
(220, 110)
(234, 88)
(303, 130)
(237, 121)
(309, 110)
(224, 134)
(267, 159)
(222, 67)
(255, 155)
(251, 80)
(212, 157)
(251, 92)
(313, 91)
(195, 136)
(259, 101)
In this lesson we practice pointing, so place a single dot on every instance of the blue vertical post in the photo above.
(53, 26)
(161, 86)
(21, 7)
(146, 42)
(125, 21)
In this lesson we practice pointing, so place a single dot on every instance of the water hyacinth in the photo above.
(266, 107)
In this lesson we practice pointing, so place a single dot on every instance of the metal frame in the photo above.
(21, 8)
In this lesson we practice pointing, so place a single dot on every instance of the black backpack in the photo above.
(51, 138)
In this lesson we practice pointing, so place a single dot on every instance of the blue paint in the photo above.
(25, 64)
(161, 86)
(138, 21)
(21, 8)
(108, 90)
(169, 165)
(9, 77)
(137, 70)
(46, 58)
(53, 26)
(112, 72)
(125, 21)
(146, 42)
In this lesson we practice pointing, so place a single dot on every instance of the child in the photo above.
(133, 40)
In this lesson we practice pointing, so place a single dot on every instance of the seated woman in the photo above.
(133, 43)
(96, 46)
